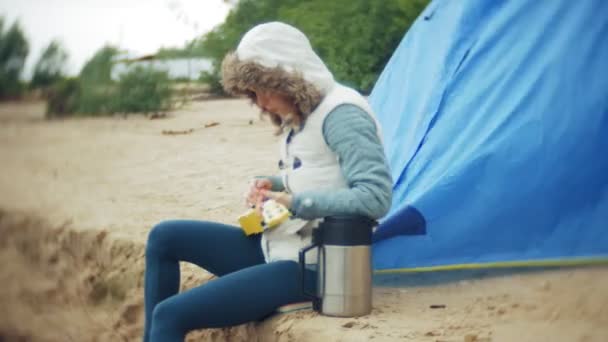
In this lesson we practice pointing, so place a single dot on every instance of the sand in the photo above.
(78, 196)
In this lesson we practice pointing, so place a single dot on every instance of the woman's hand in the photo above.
(281, 197)
(254, 195)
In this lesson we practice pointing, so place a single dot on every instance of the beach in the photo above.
(78, 197)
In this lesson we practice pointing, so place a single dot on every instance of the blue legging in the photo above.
(247, 289)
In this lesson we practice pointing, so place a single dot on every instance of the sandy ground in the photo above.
(78, 196)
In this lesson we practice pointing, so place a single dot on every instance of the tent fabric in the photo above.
(495, 121)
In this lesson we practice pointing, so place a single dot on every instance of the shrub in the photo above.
(62, 98)
(138, 91)
(213, 81)
(143, 90)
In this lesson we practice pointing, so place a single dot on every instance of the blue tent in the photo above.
(495, 121)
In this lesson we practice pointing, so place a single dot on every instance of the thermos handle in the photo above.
(302, 257)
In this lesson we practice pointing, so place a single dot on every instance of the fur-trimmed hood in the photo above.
(277, 56)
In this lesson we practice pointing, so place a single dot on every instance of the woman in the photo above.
(332, 163)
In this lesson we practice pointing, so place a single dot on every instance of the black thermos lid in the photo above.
(345, 231)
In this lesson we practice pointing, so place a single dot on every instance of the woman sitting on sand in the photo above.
(332, 163)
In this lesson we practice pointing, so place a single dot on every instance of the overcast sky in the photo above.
(83, 26)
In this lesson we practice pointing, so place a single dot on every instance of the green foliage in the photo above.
(213, 80)
(14, 49)
(97, 93)
(140, 90)
(169, 53)
(62, 98)
(97, 99)
(50, 66)
(98, 69)
(354, 37)
(144, 90)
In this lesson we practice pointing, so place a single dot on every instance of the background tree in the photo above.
(98, 69)
(14, 49)
(50, 67)
(354, 37)
(97, 94)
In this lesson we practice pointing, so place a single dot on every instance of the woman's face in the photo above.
(275, 103)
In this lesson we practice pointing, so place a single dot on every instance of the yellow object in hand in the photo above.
(273, 214)
(251, 222)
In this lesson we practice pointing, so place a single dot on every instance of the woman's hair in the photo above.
(241, 77)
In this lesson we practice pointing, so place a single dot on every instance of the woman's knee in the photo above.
(160, 237)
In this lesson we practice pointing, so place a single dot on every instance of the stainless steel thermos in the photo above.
(344, 270)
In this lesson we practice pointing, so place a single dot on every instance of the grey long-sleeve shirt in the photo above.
(351, 134)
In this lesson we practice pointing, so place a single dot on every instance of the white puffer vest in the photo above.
(307, 163)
